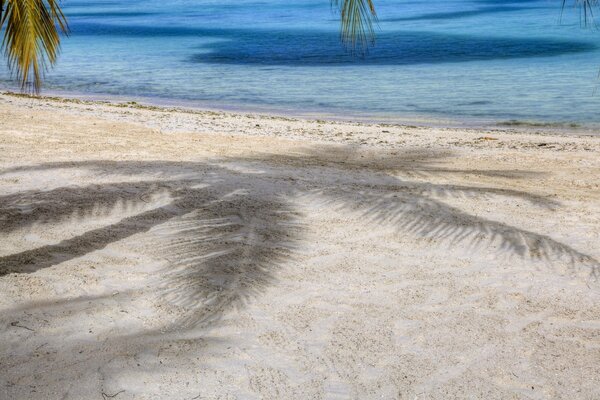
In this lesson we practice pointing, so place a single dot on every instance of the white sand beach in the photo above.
(149, 253)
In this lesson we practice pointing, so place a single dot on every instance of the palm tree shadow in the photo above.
(414, 207)
(222, 229)
(225, 231)
(223, 242)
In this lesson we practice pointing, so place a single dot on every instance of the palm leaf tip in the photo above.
(32, 38)
(586, 9)
(357, 18)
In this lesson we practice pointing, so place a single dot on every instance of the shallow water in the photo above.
(477, 60)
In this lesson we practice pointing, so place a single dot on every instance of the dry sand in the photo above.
(154, 254)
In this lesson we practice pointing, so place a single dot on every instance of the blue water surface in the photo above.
(472, 60)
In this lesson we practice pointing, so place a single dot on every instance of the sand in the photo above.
(172, 254)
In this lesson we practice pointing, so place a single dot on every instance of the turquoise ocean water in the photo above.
(472, 60)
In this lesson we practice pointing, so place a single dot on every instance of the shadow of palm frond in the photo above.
(223, 240)
(26, 208)
(414, 207)
(224, 232)
(433, 219)
(225, 253)
(416, 163)
(75, 204)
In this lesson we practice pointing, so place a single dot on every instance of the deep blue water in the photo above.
(477, 60)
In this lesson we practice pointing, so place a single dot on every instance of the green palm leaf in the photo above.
(357, 17)
(32, 40)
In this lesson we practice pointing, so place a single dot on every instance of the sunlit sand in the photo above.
(156, 254)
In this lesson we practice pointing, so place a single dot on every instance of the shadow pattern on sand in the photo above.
(223, 229)
(222, 244)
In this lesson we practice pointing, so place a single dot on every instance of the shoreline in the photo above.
(185, 106)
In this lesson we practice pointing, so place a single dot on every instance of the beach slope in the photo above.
(174, 254)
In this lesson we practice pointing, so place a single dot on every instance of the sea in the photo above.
(464, 61)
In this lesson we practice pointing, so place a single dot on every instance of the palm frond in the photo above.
(357, 17)
(586, 9)
(32, 38)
